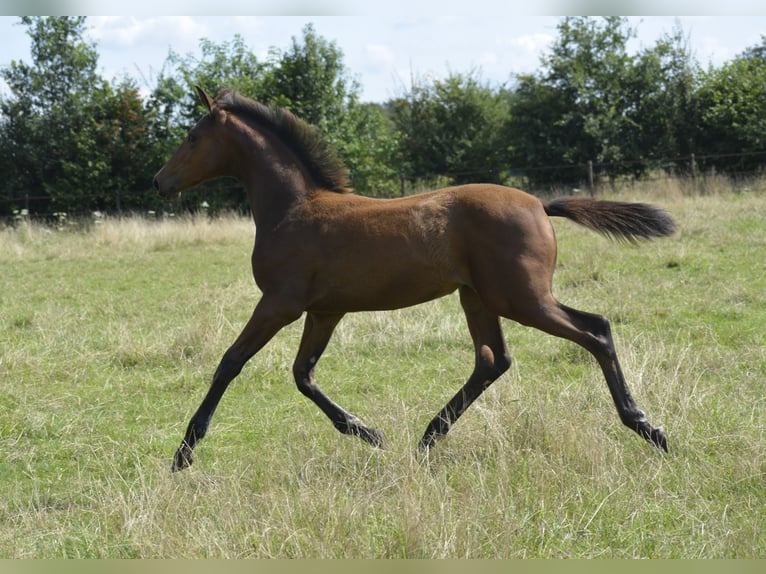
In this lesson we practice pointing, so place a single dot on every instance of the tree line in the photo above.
(71, 140)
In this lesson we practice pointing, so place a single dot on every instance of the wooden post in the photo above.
(591, 191)
(402, 184)
(694, 174)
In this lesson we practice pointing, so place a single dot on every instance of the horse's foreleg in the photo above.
(316, 334)
(267, 319)
(492, 360)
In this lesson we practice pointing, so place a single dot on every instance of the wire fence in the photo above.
(693, 171)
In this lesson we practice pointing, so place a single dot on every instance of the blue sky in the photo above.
(383, 49)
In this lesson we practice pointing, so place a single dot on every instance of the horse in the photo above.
(324, 251)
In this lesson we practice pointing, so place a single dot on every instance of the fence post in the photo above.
(694, 173)
(402, 184)
(590, 178)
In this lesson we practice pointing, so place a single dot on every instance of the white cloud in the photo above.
(532, 43)
(380, 55)
(488, 59)
(126, 32)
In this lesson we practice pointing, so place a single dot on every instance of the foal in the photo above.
(322, 251)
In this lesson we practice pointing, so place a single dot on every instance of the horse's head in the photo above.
(200, 157)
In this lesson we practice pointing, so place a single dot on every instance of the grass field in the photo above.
(109, 337)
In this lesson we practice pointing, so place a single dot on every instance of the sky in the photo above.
(386, 47)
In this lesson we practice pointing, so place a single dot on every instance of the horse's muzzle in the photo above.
(165, 191)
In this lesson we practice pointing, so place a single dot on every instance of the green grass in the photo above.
(109, 337)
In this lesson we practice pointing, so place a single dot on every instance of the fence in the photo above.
(559, 179)
(564, 178)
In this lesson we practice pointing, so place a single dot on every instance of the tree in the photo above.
(369, 150)
(124, 135)
(732, 100)
(590, 65)
(451, 127)
(46, 123)
(311, 80)
(226, 65)
(538, 141)
(73, 141)
(665, 81)
(594, 102)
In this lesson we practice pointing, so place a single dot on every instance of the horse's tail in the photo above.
(615, 219)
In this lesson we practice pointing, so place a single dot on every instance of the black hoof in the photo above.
(429, 440)
(371, 436)
(657, 438)
(353, 426)
(183, 458)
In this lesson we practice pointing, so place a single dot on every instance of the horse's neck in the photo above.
(271, 199)
(275, 180)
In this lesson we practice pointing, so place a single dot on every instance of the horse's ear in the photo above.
(206, 100)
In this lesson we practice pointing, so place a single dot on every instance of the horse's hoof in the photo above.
(373, 437)
(429, 440)
(658, 438)
(183, 459)
(655, 436)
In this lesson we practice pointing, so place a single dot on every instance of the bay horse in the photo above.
(325, 252)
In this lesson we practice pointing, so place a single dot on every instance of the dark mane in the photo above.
(318, 155)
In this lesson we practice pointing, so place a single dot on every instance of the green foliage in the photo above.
(589, 63)
(49, 123)
(665, 80)
(733, 104)
(449, 127)
(536, 134)
(629, 114)
(229, 64)
(71, 141)
(368, 146)
(582, 101)
(311, 80)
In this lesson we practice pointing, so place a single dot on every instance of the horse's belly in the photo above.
(379, 292)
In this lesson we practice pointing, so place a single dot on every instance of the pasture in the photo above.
(109, 337)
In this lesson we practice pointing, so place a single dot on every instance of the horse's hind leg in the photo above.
(594, 334)
(491, 360)
(316, 334)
